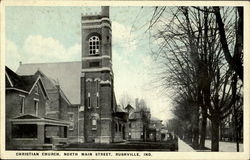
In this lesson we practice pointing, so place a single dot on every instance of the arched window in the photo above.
(94, 45)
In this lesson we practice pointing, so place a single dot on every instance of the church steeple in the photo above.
(97, 77)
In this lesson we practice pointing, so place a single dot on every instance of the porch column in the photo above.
(40, 133)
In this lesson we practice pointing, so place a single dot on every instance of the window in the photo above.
(22, 104)
(142, 136)
(97, 85)
(116, 127)
(36, 106)
(89, 103)
(36, 89)
(130, 125)
(94, 45)
(120, 127)
(94, 64)
(94, 122)
(97, 93)
(97, 100)
(24, 131)
(71, 119)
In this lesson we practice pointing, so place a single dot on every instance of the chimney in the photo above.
(105, 11)
(20, 63)
(136, 104)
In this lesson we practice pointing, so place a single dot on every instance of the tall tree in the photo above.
(235, 59)
(191, 52)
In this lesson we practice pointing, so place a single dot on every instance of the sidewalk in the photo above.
(184, 147)
(225, 146)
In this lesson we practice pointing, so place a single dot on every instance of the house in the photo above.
(64, 93)
(121, 124)
(139, 119)
(155, 126)
(26, 121)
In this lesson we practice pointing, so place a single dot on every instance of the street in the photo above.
(127, 146)
(131, 146)
(184, 147)
(225, 146)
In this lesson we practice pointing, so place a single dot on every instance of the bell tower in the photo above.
(97, 77)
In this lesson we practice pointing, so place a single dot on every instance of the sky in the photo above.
(53, 34)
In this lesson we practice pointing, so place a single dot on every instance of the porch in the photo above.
(32, 132)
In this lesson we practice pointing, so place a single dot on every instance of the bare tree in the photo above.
(235, 59)
(191, 52)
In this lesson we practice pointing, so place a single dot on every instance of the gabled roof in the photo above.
(22, 83)
(51, 84)
(13, 79)
(27, 116)
(129, 107)
(67, 74)
(119, 109)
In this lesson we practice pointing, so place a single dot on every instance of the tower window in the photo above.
(94, 122)
(94, 64)
(89, 103)
(97, 99)
(94, 45)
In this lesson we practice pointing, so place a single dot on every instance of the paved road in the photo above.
(225, 146)
(184, 147)
(128, 146)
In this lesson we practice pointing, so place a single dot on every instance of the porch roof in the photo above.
(32, 119)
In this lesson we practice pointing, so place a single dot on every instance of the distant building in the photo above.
(155, 127)
(139, 119)
(26, 123)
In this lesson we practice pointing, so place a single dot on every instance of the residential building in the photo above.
(64, 91)
(155, 126)
(26, 123)
(139, 119)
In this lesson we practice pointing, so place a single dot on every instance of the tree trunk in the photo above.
(196, 128)
(215, 133)
(203, 128)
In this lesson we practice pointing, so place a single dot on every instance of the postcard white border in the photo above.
(155, 155)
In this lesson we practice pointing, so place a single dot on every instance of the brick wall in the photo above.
(13, 107)
(76, 134)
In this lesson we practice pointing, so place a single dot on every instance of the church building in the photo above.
(97, 84)
(88, 84)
